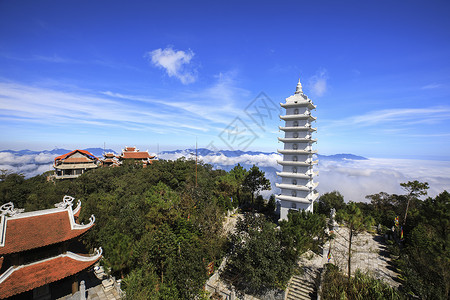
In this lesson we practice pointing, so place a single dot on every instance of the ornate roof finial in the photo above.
(299, 88)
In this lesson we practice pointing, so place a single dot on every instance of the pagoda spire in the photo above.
(299, 88)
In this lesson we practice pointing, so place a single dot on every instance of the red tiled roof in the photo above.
(28, 277)
(25, 233)
(136, 155)
(77, 159)
(64, 156)
(130, 148)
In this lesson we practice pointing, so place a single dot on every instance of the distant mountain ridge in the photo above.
(230, 153)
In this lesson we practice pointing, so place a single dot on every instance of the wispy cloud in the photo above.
(318, 83)
(399, 118)
(205, 110)
(174, 62)
(431, 86)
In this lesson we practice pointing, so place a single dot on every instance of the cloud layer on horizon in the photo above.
(353, 178)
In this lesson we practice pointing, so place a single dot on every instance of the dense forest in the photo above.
(161, 226)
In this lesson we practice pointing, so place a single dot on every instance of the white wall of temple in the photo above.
(296, 169)
(300, 158)
(296, 110)
(295, 193)
(297, 123)
(298, 181)
(297, 146)
(296, 134)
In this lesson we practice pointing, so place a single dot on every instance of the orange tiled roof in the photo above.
(25, 232)
(34, 275)
(64, 156)
(77, 160)
(136, 155)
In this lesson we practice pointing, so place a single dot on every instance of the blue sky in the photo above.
(78, 74)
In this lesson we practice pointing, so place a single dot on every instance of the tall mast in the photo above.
(195, 162)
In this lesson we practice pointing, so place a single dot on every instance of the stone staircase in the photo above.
(301, 288)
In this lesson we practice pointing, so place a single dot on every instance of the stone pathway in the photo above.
(368, 254)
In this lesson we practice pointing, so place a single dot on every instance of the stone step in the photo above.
(302, 282)
(306, 293)
(292, 295)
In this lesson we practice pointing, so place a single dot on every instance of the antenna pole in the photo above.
(195, 162)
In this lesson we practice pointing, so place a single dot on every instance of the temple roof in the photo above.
(136, 155)
(24, 278)
(65, 156)
(25, 231)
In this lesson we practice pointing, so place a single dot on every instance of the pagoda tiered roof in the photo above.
(297, 163)
(30, 230)
(23, 236)
(298, 151)
(297, 128)
(297, 140)
(19, 279)
(306, 175)
(298, 117)
(309, 199)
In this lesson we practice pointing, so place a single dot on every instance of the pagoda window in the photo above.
(294, 158)
(294, 182)
(293, 205)
(294, 194)
(295, 124)
(295, 134)
(294, 170)
(296, 111)
(295, 146)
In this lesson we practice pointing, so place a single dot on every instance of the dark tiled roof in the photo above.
(28, 277)
(42, 229)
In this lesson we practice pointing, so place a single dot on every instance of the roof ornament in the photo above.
(8, 209)
(299, 88)
(67, 201)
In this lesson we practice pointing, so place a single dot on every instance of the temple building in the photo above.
(297, 185)
(35, 256)
(110, 160)
(132, 154)
(73, 164)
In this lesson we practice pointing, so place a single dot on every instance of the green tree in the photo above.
(257, 260)
(302, 231)
(330, 200)
(415, 189)
(356, 223)
(255, 181)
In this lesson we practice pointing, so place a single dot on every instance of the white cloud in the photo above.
(431, 86)
(318, 83)
(353, 178)
(356, 179)
(174, 62)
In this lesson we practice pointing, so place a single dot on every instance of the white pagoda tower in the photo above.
(297, 185)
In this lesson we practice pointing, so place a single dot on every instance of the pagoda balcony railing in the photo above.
(301, 103)
(298, 117)
(292, 186)
(297, 163)
(306, 175)
(297, 128)
(310, 198)
(297, 152)
(298, 140)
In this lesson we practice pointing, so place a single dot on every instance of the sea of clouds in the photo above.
(30, 164)
(353, 178)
